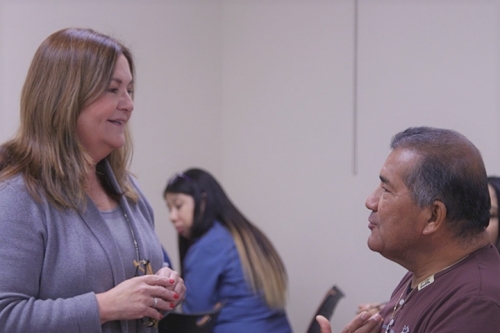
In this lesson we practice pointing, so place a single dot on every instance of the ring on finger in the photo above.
(155, 302)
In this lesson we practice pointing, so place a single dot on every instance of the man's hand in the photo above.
(362, 323)
(371, 308)
(324, 324)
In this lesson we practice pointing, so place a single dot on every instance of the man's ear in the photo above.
(437, 217)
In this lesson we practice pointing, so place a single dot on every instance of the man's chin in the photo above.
(373, 245)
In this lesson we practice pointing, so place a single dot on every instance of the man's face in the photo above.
(396, 222)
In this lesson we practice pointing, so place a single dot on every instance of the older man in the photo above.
(429, 215)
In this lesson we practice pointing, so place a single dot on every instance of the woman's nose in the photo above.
(127, 103)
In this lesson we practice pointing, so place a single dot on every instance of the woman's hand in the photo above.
(177, 283)
(142, 296)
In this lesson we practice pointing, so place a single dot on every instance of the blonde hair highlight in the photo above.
(263, 267)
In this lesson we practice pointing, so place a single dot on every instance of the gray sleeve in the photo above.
(23, 239)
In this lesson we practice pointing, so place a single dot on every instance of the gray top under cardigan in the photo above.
(53, 262)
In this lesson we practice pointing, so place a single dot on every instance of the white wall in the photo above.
(288, 122)
(262, 93)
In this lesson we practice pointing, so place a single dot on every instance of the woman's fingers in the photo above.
(175, 284)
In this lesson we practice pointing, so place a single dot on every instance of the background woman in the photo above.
(77, 234)
(226, 258)
(494, 188)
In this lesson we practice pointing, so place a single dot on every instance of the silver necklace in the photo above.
(421, 285)
(136, 246)
(397, 307)
(138, 263)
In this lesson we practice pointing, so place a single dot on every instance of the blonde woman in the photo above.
(224, 257)
(78, 240)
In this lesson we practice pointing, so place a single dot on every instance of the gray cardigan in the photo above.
(53, 262)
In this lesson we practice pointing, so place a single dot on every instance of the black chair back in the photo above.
(326, 308)
(176, 322)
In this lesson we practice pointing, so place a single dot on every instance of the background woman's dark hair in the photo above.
(263, 267)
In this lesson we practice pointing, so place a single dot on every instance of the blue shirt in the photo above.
(213, 273)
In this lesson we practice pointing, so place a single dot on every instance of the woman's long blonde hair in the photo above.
(71, 69)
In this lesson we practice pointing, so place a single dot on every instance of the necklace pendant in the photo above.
(388, 328)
